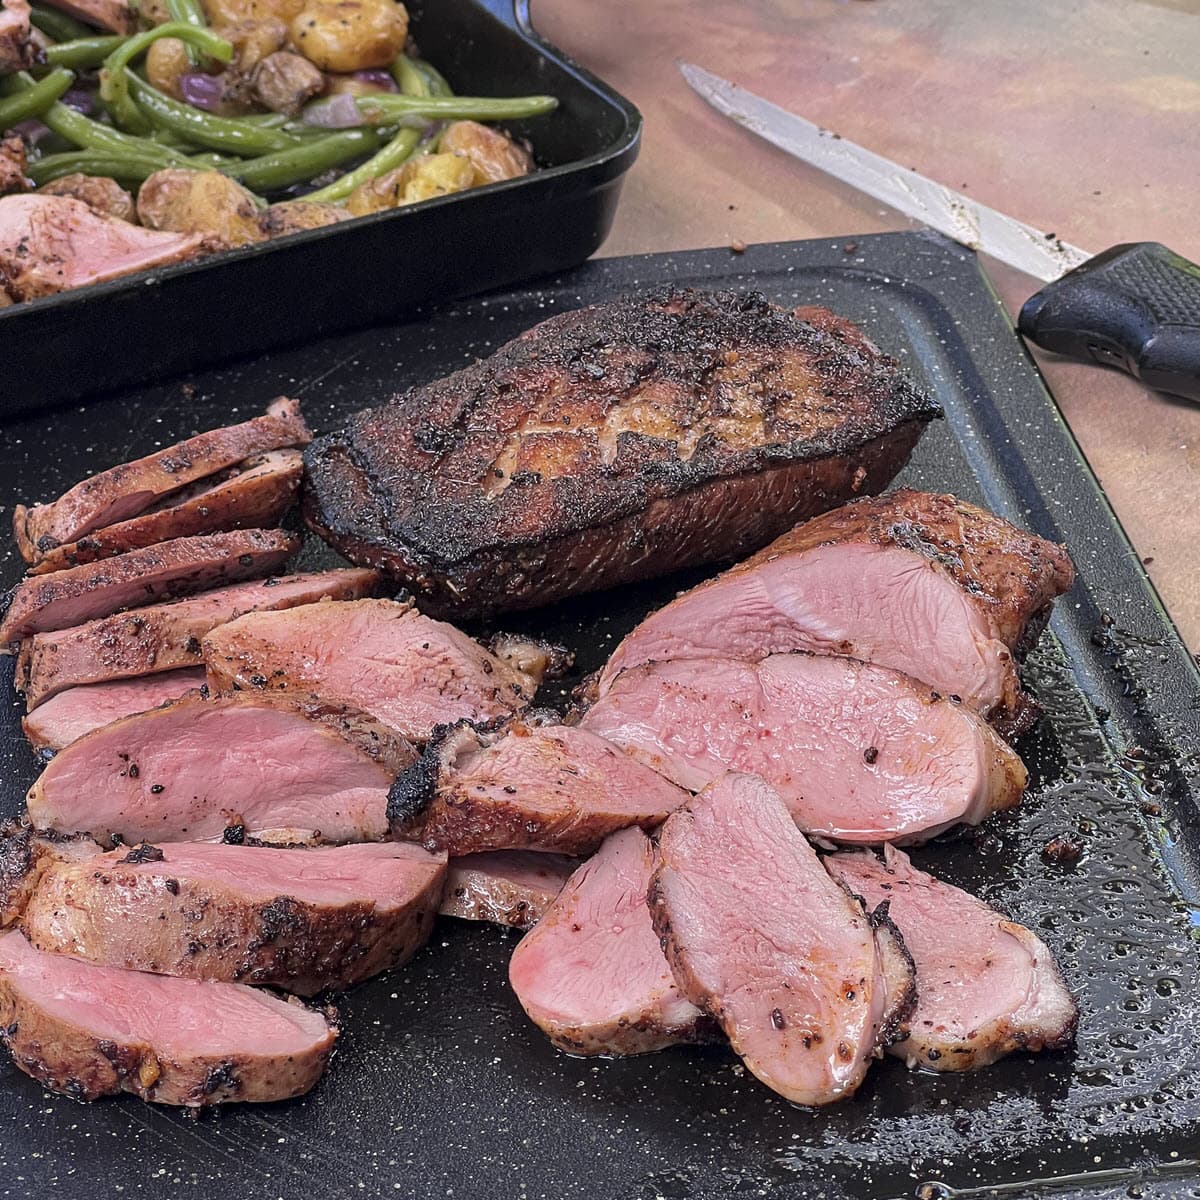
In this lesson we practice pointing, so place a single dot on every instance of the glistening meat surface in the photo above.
(859, 753)
(923, 583)
(591, 974)
(382, 656)
(758, 935)
(192, 768)
(986, 986)
(299, 919)
(164, 637)
(94, 1031)
(506, 887)
(553, 787)
(611, 444)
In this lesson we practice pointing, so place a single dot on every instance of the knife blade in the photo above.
(1135, 306)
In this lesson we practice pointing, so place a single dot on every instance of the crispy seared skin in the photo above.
(253, 495)
(614, 443)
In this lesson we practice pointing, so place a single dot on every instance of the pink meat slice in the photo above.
(17, 51)
(305, 920)
(49, 244)
(591, 974)
(550, 787)
(859, 753)
(124, 491)
(382, 656)
(758, 935)
(182, 567)
(77, 711)
(254, 495)
(918, 582)
(506, 887)
(93, 1031)
(986, 986)
(188, 770)
(114, 15)
(164, 637)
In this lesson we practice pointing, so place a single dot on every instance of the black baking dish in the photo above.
(157, 323)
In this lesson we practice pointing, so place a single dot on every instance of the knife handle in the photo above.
(1135, 307)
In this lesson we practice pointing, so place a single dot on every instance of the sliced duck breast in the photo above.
(94, 1031)
(134, 487)
(382, 656)
(506, 887)
(759, 936)
(302, 920)
(253, 495)
(165, 637)
(17, 50)
(77, 711)
(923, 583)
(859, 753)
(554, 787)
(591, 974)
(24, 854)
(113, 15)
(188, 770)
(986, 985)
(43, 603)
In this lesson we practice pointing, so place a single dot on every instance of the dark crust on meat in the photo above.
(551, 467)
(67, 1059)
(241, 501)
(18, 872)
(201, 932)
(184, 565)
(41, 528)
(888, 939)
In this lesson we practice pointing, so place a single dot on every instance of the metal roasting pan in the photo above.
(442, 1088)
(145, 326)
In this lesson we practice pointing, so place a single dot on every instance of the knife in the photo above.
(1135, 307)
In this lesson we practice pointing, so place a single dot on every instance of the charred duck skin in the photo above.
(611, 444)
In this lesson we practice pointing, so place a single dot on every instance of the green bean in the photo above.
(190, 13)
(408, 109)
(435, 81)
(393, 155)
(58, 25)
(114, 79)
(34, 101)
(83, 52)
(206, 129)
(271, 172)
(124, 167)
(409, 78)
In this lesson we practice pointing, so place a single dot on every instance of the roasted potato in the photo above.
(350, 35)
(291, 216)
(101, 194)
(204, 202)
(283, 81)
(166, 60)
(493, 155)
(233, 12)
(419, 179)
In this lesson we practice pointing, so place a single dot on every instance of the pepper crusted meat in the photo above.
(611, 444)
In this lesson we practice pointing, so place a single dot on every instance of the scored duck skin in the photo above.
(46, 603)
(71, 714)
(986, 986)
(124, 491)
(858, 752)
(189, 770)
(549, 787)
(611, 444)
(254, 496)
(91, 1031)
(382, 656)
(505, 887)
(166, 637)
(591, 974)
(303, 920)
(923, 583)
(759, 936)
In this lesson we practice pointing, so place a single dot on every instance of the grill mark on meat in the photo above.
(536, 473)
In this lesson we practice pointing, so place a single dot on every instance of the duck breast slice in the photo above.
(505, 887)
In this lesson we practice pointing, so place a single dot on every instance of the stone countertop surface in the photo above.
(1081, 118)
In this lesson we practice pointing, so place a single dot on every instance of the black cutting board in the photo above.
(441, 1087)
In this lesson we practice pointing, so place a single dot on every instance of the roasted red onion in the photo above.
(201, 90)
(81, 100)
(378, 77)
(334, 112)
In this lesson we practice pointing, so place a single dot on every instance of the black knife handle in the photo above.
(1136, 307)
